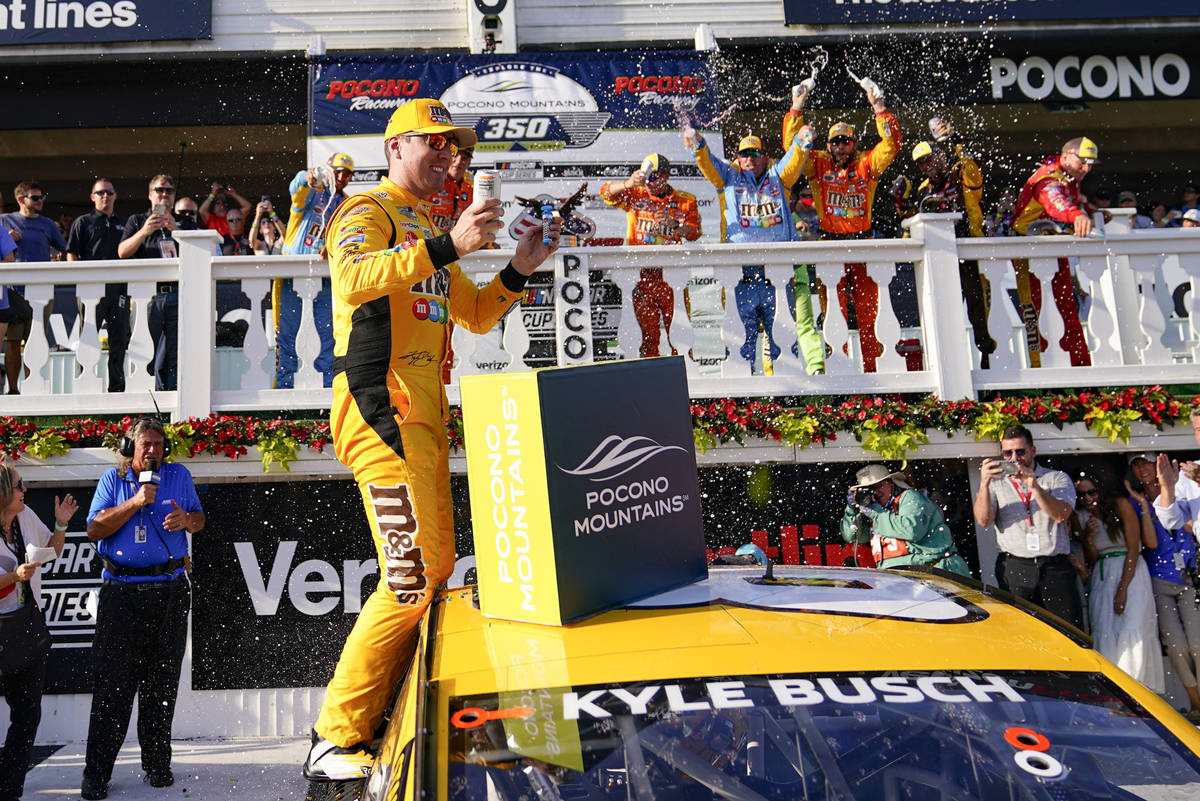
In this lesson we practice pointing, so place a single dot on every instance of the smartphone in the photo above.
(1009, 467)
(159, 208)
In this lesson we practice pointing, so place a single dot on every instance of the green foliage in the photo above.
(45, 444)
(892, 443)
(1112, 424)
(277, 447)
(990, 423)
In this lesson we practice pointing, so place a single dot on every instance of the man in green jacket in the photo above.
(902, 525)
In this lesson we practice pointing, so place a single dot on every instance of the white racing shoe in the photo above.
(330, 763)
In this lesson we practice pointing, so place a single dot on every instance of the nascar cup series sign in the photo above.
(583, 486)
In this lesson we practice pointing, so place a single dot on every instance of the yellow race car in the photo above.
(784, 683)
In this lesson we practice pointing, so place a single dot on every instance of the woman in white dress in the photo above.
(1121, 600)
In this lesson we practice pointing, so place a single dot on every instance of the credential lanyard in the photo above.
(1031, 537)
(1025, 499)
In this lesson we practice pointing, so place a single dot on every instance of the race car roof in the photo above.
(740, 622)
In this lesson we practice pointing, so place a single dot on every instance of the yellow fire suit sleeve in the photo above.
(889, 143)
(792, 167)
(972, 185)
(365, 258)
(709, 167)
(478, 310)
(792, 123)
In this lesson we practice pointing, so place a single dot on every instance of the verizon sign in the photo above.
(1097, 77)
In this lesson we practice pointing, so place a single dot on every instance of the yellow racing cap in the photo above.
(427, 116)
(921, 151)
(750, 143)
(655, 163)
(1084, 148)
(341, 161)
(1088, 150)
(841, 129)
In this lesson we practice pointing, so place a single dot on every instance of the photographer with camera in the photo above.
(1031, 507)
(902, 526)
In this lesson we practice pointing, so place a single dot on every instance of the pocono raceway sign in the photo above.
(840, 12)
(547, 122)
(38, 22)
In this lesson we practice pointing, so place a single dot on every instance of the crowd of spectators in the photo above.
(943, 172)
(1114, 555)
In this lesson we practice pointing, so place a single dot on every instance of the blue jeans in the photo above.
(287, 363)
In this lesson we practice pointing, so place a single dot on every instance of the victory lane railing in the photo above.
(730, 309)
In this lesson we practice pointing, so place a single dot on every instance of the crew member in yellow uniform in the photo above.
(395, 287)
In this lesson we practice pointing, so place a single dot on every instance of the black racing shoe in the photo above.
(331, 763)
(162, 777)
(92, 790)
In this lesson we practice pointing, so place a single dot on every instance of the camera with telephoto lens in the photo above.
(864, 496)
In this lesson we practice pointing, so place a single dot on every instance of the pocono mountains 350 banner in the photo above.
(838, 12)
(548, 122)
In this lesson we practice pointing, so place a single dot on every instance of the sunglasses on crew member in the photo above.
(752, 152)
(438, 142)
(840, 140)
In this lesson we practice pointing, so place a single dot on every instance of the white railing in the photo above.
(1133, 335)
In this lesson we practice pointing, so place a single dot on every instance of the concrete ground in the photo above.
(263, 769)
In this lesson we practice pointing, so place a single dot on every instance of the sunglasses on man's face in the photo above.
(751, 152)
(104, 192)
(1014, 454)
(438, 142)
(36, 198)
(185, 213)
(841, 140)
(164, 190)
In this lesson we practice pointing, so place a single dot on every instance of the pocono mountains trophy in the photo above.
(541, 208)
(584, 492)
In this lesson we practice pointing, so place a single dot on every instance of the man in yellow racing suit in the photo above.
(395, 287)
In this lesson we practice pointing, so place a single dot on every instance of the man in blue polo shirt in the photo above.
(34, 234)
(140, 516)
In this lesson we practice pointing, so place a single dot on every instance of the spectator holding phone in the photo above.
(266, 234)
(1030, 507)
(214, 211)
(148, 235)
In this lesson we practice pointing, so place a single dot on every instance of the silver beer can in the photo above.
(487, 184)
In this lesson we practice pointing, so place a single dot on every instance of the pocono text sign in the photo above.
(583, 485)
